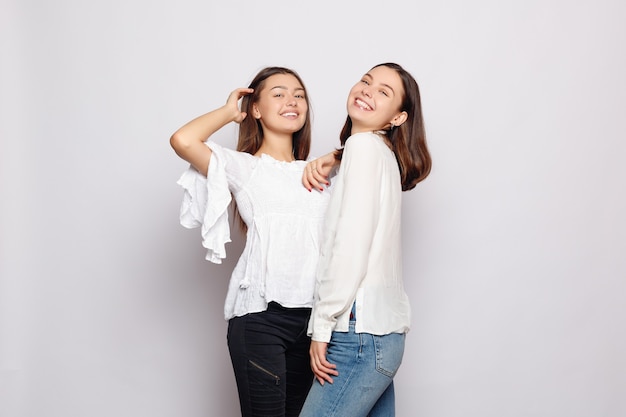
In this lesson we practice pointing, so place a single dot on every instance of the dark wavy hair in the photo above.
(250, 129)
(408, 141)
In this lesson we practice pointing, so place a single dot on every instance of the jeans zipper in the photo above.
(259, 367)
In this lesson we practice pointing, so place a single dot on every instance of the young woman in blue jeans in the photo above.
(361, 312)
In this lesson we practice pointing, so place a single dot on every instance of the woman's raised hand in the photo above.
(233, 103)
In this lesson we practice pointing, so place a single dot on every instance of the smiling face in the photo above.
(282, 105)
(374, 102)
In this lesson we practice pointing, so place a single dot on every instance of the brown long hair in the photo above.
(408, 141)
(250, 129)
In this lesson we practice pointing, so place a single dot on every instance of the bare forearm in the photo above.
(188, 141)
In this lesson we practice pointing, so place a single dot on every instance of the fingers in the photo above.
(236, 94)
(315, 175)
(311, 179)
(240, 92)
(245, 91)
(324, 373)
(322, 369)
(321, 374)
(232, 103)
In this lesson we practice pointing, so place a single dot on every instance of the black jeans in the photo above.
(270, 355)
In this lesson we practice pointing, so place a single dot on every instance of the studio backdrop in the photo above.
(513, 246)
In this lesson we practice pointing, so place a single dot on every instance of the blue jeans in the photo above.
(364, 387)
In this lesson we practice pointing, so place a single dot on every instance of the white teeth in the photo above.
(363, 104)
(290, 114)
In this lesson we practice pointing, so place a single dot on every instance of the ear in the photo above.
(255, 112)
(399, 118)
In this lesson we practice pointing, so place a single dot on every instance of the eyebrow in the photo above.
(383, 84)
(285, 88)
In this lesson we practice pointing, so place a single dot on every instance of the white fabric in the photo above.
(361, 256)
(284, 222)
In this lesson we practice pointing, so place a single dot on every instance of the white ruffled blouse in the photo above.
(284, 220)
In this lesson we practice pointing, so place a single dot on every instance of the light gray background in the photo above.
(514, 246)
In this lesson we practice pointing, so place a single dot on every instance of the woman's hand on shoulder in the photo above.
(316, 172)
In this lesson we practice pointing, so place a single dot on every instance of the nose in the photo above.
(366, 91)
(291, 101)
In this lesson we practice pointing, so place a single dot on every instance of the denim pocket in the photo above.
(389, 352)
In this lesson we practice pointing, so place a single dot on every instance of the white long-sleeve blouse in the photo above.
(361, 256)
(283, 218)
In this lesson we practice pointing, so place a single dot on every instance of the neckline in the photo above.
(272, 159)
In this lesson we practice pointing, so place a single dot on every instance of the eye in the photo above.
(384, 93)
(364, 81)
(299, 95)
(278, 94)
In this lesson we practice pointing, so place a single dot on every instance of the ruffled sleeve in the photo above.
(205, 204)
